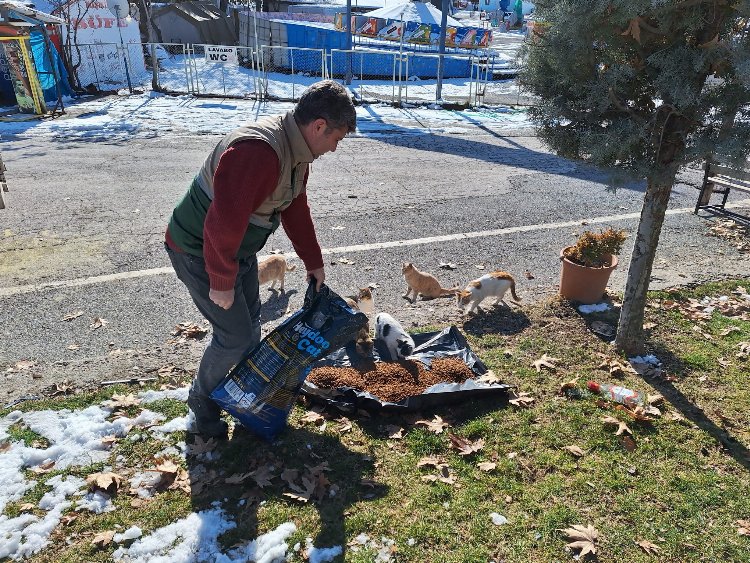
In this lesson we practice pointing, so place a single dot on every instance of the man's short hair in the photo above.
(327, 100)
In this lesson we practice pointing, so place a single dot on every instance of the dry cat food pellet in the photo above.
(392, 381)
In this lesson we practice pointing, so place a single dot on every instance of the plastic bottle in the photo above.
(618, 394)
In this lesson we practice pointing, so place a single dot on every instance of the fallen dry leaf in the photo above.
(189, 330)
(744, 350)
(26, 507)
(25, 364)
(345, 261)
(615, 366)
(73, 315)
(655, 399)
(464, 446)
(45, 467)
(68, 519)
(262, 476)
(108, 482)
(346, 425)
(394, 432)
(545, 362)
(743, 527)
(447, 265)
(444, 475)
(103, 539)
(575, 450)
(489, 377)
(313, 417)
(529, 275)
(167, 466)
(487, 465)
(436, 425)
(201, 446)
(585, 538)
(431, 461)
(98, 322)
(109, 441)
(122, 401)
(523, 400)
(621, 426)
(730, 330)
(289, 475)
(628, 443)
(649, 547)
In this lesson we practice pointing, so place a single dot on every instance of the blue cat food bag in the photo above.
(262, 388)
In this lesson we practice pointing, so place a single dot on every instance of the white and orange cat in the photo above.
(494, 285)
(422, 283)
(273, 269)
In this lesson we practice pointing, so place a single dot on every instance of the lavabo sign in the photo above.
(221, 54)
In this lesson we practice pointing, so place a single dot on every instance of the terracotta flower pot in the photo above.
(584, 284)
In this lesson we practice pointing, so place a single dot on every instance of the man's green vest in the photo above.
(283, 134)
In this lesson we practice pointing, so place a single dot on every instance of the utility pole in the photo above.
(117, 6)
(348, 76)
(441, 51)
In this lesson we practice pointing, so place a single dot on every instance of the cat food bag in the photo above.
(446, 343)
(262, 388)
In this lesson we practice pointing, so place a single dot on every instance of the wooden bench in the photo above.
(721, 179)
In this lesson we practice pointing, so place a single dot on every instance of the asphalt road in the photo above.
(85, 226)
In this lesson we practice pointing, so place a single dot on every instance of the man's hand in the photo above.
(319, 275)
(223, 299)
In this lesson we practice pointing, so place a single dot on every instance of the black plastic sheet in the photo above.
(447, 343)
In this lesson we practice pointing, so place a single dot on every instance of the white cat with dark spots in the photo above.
(494, 285)
(397, 341)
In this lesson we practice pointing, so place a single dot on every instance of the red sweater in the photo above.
(246, 176)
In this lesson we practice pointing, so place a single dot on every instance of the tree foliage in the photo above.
(643, 87)
(642, 84)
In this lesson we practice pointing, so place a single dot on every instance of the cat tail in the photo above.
(291, 268)
(445, 292)
(513, 290)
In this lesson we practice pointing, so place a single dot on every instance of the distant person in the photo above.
(253, 180)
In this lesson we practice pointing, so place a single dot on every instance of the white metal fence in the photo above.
(283, 73)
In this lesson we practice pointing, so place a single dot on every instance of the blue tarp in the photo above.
(44, 68)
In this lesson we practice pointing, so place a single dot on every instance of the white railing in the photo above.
(283, 73)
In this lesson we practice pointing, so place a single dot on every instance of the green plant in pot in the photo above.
(587, 265)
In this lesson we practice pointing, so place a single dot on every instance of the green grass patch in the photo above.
(679, 481)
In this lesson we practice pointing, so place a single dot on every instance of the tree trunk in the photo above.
(630, 328)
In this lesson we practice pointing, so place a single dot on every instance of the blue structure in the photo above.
(369, 65)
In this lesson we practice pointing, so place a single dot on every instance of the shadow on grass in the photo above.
(497, 320)
(457, 410)
(692, 412)
(671, 394)
(337, 476)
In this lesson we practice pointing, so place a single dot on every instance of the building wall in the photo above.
(176, 29)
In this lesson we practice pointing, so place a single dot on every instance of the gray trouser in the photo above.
(235, 331)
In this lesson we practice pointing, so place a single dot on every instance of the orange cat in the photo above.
(489, 285)
(422, 283)
(273, 269)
